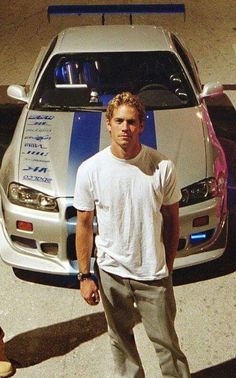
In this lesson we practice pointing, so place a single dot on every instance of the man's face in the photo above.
(125, 128)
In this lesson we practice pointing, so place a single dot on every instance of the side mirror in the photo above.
(17, 92)
(212, 90)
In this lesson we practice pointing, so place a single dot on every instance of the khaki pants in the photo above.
(156, 305)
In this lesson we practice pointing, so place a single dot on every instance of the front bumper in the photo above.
(216, 232)
(24, 250)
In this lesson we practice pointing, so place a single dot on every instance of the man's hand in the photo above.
(170, 264)
(170, 216)
(84, 245)
(89, 291)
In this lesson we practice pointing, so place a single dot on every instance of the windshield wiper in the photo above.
(89, 108)
(74, 108)
(53, 107)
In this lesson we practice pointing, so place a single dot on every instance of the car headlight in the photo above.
(23, 196)
(200, 191)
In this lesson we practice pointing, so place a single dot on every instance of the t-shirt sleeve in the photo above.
(172, 193)
(83, 195)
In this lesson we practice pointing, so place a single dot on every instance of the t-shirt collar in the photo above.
(129, 161)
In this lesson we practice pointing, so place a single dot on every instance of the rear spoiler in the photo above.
(128, 9)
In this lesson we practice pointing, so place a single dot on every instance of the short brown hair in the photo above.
(126, 98)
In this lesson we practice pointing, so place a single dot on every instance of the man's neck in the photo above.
(122, 153)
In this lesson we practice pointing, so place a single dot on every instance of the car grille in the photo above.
(182, 244)
(71, 251)
(70, 212)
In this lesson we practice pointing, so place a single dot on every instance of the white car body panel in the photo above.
(128, 38)
(48, 146)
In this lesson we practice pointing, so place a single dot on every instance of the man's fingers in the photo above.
(93, 299)
(89, 291)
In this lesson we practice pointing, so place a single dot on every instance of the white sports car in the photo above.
(62, 123)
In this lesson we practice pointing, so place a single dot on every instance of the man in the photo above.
(134, 191)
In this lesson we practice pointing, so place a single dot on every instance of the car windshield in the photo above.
(90, 80)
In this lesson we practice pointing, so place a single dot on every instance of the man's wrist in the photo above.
(84, 276)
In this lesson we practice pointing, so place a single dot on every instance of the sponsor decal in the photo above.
(35, 163)
(37, 160)
(38, 130)
(45, 180)
(36, 169)
(41, 116)
(35, 145)
(38, 123)
(35, 153)
(38, 138)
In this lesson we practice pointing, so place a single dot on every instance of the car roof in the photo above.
(111, 38)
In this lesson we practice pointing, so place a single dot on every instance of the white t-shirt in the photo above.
(128, 195)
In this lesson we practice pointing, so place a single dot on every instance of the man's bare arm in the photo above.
(84, 245)
(170, 216)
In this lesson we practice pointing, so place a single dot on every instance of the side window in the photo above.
(185, 59)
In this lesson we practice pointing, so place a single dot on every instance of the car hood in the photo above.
(55, 144)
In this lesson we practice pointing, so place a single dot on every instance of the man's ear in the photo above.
(141, 127)
(108, 126)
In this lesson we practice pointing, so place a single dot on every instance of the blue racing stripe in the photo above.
(148, 136)
(85, 140)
